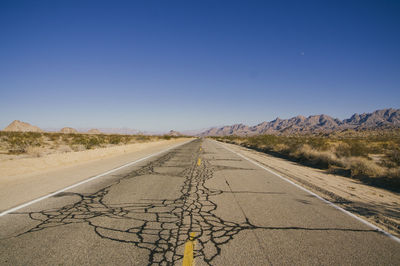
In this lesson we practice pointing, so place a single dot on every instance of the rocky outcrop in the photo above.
(174, 133)
(94, 131)
(19, 126)
(68, 130)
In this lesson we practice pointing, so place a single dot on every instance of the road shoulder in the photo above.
(378, 206)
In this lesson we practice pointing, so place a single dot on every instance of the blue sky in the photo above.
(160, 65)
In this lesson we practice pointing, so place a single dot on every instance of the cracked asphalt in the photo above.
(144, 214)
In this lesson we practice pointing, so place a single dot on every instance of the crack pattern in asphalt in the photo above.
(160, 226)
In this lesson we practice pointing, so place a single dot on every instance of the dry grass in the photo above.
(367, 155)
(34, 151)
(32, 144)
(364, 168)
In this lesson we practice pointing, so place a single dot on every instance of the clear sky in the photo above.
(160, 65)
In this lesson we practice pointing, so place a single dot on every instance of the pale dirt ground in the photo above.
(22, 165)
(25, 179)
(378, 206)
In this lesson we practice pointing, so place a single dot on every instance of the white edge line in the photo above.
(88, 180)
(315, 195)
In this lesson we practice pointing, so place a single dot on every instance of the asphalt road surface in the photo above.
(237, 213)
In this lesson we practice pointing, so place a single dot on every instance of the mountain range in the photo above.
(379, 119)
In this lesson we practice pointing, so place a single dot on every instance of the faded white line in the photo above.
(88, 180)
(315, 195)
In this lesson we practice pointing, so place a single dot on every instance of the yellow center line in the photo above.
(198, 162)
(188, 254)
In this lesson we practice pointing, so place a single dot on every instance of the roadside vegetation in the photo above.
(370, 156)
(39, 144)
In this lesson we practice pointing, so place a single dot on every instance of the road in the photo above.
(236, 212)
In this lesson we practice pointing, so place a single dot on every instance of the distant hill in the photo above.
(68, 130)
(174, 133)
(194, 132)
(380, 119)
(123, 131)
(94, 131)
(20, 126)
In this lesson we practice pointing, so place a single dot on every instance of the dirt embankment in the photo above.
(379, 206)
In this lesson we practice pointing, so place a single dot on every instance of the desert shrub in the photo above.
(18, 142)
(118, 139)
(26, 142)
(361, 167)
(142, 138)
(394, 156)
(294, 143)
(166, 137)
(93, 142)
(35, 151)
(315, 157)
(267, 142)
(281, 148)
(358, 148)
(64, 149)
(16, 145)
(79, 140)
(343, 150)
(53, 136)
(87, 141)
(115, 139)
(127, 139)
(394, 173)
(318, 143)
(78, 147)
(66, 138)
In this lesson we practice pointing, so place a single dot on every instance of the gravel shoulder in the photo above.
(378, 206)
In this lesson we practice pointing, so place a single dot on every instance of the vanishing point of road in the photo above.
(198, 200)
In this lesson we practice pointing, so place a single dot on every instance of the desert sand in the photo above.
(25, 179)
(9, 168)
